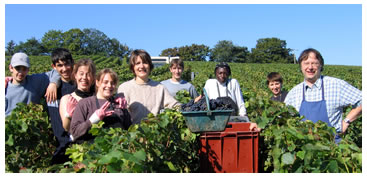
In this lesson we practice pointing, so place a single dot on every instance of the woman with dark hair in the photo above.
(142, 94)
(103, 106)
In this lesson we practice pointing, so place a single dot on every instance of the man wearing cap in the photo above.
(24, 88)
(323, 98)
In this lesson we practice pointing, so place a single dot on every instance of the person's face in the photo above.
(65, 69)
(176, 71)
(311, 68)
(84, 78)
(221, 74)
(106, 86)
(18, 73)
(141, 69)
(275, 87)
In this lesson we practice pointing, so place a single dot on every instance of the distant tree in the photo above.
(72, 40)
(52, 39)
(170, 52)
(271, 50)
(115, 48)
(94, 42)
(31, 47)
(10, 48)
(226, 51)
(194, 52)
(80, 42)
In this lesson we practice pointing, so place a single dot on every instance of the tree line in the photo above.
(91, 41)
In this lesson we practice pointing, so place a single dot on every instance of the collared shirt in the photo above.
(338, 94)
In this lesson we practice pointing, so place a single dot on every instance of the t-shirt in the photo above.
(146, 98)
(174, 87)
(32, 89)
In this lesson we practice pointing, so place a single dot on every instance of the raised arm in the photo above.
(54, 83)
(66, 109)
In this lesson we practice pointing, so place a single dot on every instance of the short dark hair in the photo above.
(63, 55)
(222, 65)
(274, 76)
(178, 62)
(305, 53)
(145, 57)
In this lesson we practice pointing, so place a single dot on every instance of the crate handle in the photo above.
(208, 113)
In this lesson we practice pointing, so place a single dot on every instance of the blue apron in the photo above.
(316, 111)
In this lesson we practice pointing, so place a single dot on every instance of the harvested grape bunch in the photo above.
(215, 104)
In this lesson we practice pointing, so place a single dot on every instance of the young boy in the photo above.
(176, 84)
(24, 88)
(275, 82)
(62, 62)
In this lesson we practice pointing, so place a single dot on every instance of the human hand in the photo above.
(7, 79)
(70, 106)
(51, 92)
(344, 126)
(100, 113)
(197, 98)
(122, 104)
(253, 127)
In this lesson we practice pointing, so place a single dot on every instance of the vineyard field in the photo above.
(287, 143)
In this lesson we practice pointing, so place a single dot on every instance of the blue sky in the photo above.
(335, 30)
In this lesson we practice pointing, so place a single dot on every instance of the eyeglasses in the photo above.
(314, 64)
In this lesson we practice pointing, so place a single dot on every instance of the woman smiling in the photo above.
(103, 106)
(144, 95)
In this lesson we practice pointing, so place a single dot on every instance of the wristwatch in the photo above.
(346, 120)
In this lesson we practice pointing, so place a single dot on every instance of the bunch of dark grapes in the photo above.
(215, 104)
(198, 106)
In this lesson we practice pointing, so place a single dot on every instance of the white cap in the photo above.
(20, 59)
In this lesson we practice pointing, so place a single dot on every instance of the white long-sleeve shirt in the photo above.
(233, 90)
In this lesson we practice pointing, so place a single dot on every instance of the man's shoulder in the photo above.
(234, 81)
(211, 81)
(330, 79)
(296, 88)
(166, 82)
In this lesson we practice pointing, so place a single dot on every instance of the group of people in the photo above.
(77, 96)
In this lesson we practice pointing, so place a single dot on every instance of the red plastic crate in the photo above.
(234, 150)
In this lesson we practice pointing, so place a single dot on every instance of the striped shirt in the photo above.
(338, 94)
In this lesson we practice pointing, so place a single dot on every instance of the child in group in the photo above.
(176, 84)
(142, 94)
(275, 84)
